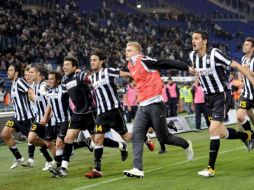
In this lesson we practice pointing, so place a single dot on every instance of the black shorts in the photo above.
(83, 122)
(50, 133)
(229, 103)
(245, 103)
(20, 126)
(61, 129)
(38, 129)
(111, 119)
(216, 105)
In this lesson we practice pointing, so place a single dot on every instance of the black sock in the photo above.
(80, 144)
(110, 143)
(246, 126)
(214, 148)
(44, 151)
(31, 149)
(97, 158)
(67, 151)
(163, 148)
(15, 152)
(233, 134)
(58, 160)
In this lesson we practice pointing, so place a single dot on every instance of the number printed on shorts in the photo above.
(34, 127)
(243, 104)
(9, 123)
(98, 128)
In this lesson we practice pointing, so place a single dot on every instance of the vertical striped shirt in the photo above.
(105, 89)
(21, 103)
(41, 102)
(248, 90)
(211, 70)
(58, 99)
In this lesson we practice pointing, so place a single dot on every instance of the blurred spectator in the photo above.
(35, 36)
(199, 103)
(188, 99)
(173, 97)
(3, 94)
(130, 100)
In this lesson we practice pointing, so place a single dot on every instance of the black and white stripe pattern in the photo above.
(58, 99)
(211, 70)
(41, 102)
(248, 90)
(105, 89)
(21, 103)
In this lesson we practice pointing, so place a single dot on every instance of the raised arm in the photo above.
(243, 70)
(125, 74)
(164, 64)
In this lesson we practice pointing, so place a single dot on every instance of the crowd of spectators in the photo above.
(46, 36)
(243, 6)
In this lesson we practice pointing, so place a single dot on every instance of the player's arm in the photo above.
(125, 74)
(47, 116)
(31, 95)
(248, 69)
(243, 70)
(161, 64)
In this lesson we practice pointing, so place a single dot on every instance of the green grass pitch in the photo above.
(234, 169)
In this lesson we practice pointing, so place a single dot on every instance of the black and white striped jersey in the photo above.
(211, 69)
(21, 103)
(103, 83)
(248, 90)
(41, 102)
(58, 99)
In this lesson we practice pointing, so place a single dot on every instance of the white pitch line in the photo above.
(152, 170)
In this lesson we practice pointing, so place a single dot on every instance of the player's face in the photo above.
(130, 51)
(247, 47)
(27, 77)
(68, 68)
(11, 73)
(52, 82)
(197, 42)
(96, 63)
(34, 74)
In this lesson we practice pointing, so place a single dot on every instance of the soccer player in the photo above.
(210, 66)
(23, 117)
(58, 104)
(109, 112)
(151, 110)
(38, 131)
(31, 148)
(246, 100)
(77, 85)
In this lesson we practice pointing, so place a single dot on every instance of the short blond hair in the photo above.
(136, 45)
(28, 67)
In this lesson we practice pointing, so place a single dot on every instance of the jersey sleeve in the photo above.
(160, 64)
(223, 58)
(22, 85)
(114, 72)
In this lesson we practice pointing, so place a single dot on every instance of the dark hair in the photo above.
(204, 35)
(40, 68)
(18, 68)
(100, 53)
(74, 61)
(250, 39)
(57, 75)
